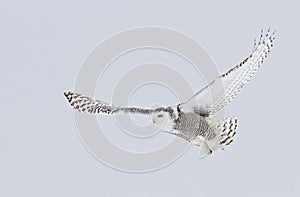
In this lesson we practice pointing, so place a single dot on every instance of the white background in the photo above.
(41, 47)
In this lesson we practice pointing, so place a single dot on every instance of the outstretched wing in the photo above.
(85, 104)
(223, 89)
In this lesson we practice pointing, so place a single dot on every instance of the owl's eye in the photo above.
(160, 116)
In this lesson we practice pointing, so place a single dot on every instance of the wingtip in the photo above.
(68, 96)
(67, 93)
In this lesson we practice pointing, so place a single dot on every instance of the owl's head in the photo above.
(164, 118)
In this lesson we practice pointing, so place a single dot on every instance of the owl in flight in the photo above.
(194, 119)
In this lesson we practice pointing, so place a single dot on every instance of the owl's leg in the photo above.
(204, 148)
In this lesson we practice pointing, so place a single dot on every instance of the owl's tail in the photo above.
(226, 130)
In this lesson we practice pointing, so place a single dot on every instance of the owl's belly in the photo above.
(192, 125)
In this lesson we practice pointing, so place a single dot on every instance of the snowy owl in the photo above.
(194, 119)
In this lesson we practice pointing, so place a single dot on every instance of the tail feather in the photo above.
(226, 130)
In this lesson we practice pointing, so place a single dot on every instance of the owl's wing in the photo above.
(223, 89)
(85, 104)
